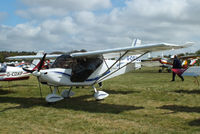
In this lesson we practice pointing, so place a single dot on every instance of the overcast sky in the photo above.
(64, 25)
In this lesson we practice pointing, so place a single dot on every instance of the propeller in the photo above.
(41, 62)
(39, 65)
(27, 70)
(37, 72)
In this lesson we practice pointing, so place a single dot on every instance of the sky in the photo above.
(65, 25)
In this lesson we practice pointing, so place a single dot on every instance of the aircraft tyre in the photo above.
(169, 70)
(160, 70)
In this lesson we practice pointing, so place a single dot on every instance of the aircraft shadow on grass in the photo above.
(4, 89)
(4, 92)
(75, 103)
(120, 92)
(194, 122)
(188, 91)
(176, 108)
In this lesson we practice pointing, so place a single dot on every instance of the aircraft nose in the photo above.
(36, 73)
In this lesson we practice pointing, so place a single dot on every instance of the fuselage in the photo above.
(63, 76)
(9, 73)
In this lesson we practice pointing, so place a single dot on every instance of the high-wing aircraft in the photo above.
(166, 63)
(90, 68)
(12, 73)
(9, 73)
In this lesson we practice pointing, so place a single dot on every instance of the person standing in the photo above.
(176, 65)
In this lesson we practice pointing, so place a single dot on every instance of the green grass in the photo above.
(142, 101)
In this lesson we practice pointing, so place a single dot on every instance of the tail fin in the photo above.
(136, 42)
(35, 62)
(193, 61)
(185, 64)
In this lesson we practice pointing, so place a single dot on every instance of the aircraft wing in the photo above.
(31, 57)
(133, 50)
(190, 57)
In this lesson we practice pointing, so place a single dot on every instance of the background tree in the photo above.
(4, 54)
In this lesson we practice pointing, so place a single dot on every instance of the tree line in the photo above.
(4, 54)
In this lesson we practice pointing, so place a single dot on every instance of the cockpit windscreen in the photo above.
(81, 68)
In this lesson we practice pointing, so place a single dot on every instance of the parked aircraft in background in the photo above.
(9, 73)
(12, 73)
(90, 68)
(166, 63)
(191, 71)
(15, 64)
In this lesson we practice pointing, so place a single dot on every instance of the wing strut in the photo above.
(100, 78)
(111, 66)
(105, 62)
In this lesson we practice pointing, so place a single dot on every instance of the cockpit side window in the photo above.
(2, 68)
(84, 68)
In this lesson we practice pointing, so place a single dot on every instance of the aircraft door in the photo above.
(84, 67)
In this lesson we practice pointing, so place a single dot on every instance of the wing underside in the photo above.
(32, 57)
(109, 53)
(133, 50)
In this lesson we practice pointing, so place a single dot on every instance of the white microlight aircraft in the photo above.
(90, 68)
(9, 73)
(13, 73)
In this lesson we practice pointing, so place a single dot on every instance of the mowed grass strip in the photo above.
(142, 101)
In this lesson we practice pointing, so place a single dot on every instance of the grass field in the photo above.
(142, 101)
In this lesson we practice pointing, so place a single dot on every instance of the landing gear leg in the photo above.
(67, 93)
(99, 95)
(51, 89)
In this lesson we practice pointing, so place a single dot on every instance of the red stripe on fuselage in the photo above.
(2, 74)
(17, 78)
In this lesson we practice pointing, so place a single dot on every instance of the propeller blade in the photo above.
(42, 62)
(27, 70)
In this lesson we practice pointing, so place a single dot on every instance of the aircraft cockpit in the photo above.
(63, 61)
(81, 68)
(3, 68)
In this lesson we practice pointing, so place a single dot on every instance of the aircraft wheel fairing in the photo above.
(67, 93)
(100, 95)
(53, 98)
